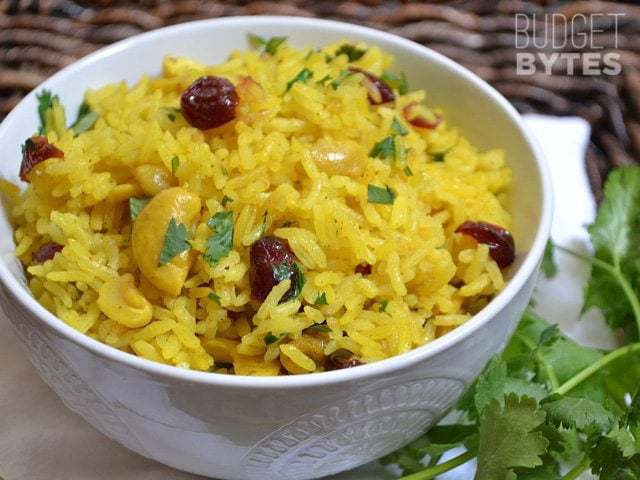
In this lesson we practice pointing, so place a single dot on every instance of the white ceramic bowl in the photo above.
(295, 427)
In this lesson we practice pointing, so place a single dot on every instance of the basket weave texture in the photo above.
(37, 38)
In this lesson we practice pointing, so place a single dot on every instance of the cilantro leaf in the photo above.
(219, 243)
(385, 148)
(270, 45)
(494, 384)
(380, 195)
(344, 74)
(615, 236)
(270, 338)
(439, 156)
(136, 205)
(351, 51)
(226, 200)
(509, 438)
(383, 305)
(302, 76)
(549, 267)
(47, 104)
(214, 297)
(321, 299)
(396, 82)
(175, 164)
(85, 120)
(398, 128)
(172, 113)
(175, 242)
(407, 171)
(324, 80)
(580, 413)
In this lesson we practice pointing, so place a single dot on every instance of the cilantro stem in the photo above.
(553, 378)
(615, 271)
(433, 472)
(593, 368)
(576, 471)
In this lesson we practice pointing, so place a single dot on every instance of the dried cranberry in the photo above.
(272, 262)
(35, 150)
(342, 358)
(47, 251)
(363, 269)
(501, 245)
(378, 91)
(209, 102)
(411, 114)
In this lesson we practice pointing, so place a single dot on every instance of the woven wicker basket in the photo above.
(39, 37)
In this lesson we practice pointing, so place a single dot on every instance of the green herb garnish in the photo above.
(270, 338)
(383, 305)
(175, 164)
(85, 119)
(398, 128)
(548, 266)
(270, 45)
(214, 297)
(46, 104)
(380, 195)
(344, 74)
(320, 328)
(384, 149)
(303, 76)
(220, 242)
(396, 82)
(351, 51)
(175, 242)
(439, 157)
(324, 80)
(321, 299)
(226, 200)
(172, 113)
(407, 171)
(136, 205)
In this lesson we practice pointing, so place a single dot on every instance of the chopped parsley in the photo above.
(270, 338)
(398, 128)
(172, 113)
(351, 51)
(548, 266)
(383, 305)
(226, 200)
(439, 157)
(321, 299)
(214, 297)
(294, 272)
(175, 242)
(380, 195)
(136, 205)
(303, 76)
(321, 328)
(324, 79)
(397, 82)
(385, 148)
(407, 171)
(85, 120)
(46, 103)
(263, 227)
(175, 164)
(219, 243)
(270, 44)
(344, 74)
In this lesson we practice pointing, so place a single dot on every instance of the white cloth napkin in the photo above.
(41, 440)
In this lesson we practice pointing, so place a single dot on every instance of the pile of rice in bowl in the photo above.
(286, 212)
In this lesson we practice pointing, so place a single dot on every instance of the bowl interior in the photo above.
(481, 114)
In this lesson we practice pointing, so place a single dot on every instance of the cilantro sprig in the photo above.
(270, 44)
(220, 242)
(547, 407)
(175, 242)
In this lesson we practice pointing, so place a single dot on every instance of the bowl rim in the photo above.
(379, 368)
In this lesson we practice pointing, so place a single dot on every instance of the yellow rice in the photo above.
(426, 280)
